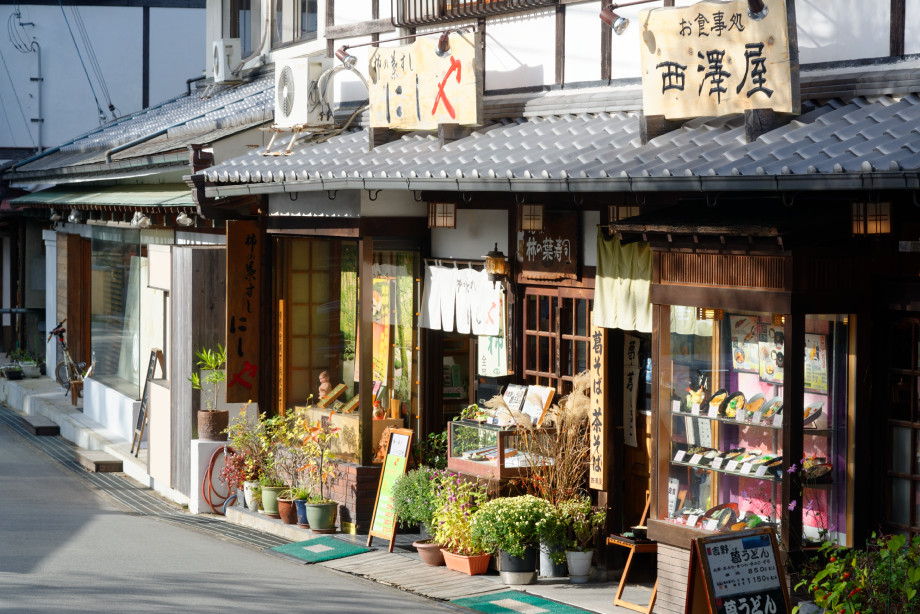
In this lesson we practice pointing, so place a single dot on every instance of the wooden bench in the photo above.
(640, 546)
(40, 425)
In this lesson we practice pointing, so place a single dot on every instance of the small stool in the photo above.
(642, 546)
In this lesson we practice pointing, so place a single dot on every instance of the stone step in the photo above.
(99, 462)
(40, 426)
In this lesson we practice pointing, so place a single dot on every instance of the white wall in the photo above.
(476, 234)
(68, 107)
(176, 37)
(842, 29)
(912, 28)
(589, 222)
(520, 51)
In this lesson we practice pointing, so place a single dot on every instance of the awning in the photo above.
(128, 196)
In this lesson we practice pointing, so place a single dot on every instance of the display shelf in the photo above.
(761, 424)
(484, 450)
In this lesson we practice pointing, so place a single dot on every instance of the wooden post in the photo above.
(653, 126)
(793, 435)
(365, 356)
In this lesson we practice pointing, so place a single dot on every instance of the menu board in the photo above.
(816, 363)
(737, 573)
(383, 523)
(745, 344)
(771, 343)
(514, 396)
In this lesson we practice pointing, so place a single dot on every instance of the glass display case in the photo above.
(484, 450)
(722, 392)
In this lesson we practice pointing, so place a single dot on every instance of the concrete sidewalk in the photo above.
(401, 568)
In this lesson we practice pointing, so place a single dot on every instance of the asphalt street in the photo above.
(67, 547)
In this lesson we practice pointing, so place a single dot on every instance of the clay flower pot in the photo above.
(430, 552)
(475, 565)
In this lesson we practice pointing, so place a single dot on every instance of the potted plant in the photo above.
(321, 466)
(301, 495)
(289, 455)
(26, 362)
(513, 526)
(583, 523)
(414, 502)
(270, 480)
(212, 422)
(458, 500)
(249, 457)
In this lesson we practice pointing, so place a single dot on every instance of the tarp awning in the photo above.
(130, 196)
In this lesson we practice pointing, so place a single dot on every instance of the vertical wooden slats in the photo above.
(741, 271)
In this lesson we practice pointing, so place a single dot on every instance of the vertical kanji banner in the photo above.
(244, 265)
(630, 388)
(597, 473)
(714, 58)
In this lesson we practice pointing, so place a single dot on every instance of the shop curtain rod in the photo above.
(448, 261)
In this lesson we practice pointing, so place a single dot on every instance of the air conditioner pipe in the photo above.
(266, 28)
(188, 84)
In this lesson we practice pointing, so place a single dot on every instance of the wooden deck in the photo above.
(412, 575)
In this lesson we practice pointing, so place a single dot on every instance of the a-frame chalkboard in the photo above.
(383, 523)
(156, 356)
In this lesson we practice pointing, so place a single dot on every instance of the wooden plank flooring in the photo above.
(412, 575)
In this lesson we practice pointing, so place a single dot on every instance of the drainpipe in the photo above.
(266, 32)
(188, 84)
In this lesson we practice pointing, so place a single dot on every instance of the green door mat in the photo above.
(515, 601)
(320, 549)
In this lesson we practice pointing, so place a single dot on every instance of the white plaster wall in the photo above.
(347, 203)
(392, 203)
(110, 408)
(176, 35)
(159, 453)
(351, 12)
(912, 27)
(582, 42)
(520, 51)
(842, 30)
(201, 456)
(476, 234)
(68, 107)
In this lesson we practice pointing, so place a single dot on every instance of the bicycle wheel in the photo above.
(61, 375)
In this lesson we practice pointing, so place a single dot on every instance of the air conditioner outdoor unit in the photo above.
(298, 99)
(226, 57)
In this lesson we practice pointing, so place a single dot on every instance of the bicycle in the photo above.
(66, 370)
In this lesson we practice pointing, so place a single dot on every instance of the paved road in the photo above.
(65, 548)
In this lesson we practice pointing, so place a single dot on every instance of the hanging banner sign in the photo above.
(417, 87)
(714, 58)
(630, 388)
(244, 267)
(597, 472)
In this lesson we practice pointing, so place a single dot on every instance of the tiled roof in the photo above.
(879, 137)
(186, 119)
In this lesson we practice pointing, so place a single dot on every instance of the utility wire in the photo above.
(94, 62)
(19, 104)
(80, 55)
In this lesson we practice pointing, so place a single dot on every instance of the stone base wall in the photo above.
(355, 490)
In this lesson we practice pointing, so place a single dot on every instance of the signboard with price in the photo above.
(737, 573)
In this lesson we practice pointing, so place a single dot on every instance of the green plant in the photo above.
(288, 451)
(512, 524)
(885, 577)
(300, 493)
(320, 460)
(214, 362)
(458, 500)
(415, 496)
(432, 451)
(582, 522)
(245, 433)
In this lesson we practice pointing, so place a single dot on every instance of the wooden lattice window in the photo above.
(903, 483)
(557, 344)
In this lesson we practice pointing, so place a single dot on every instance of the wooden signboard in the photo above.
(383, 522)
(713, 58)
(551, 253)
(244, 266)
(537, 401)
(156, 356)
(736, 572)
(417, 87)
(597, 470)
(514, 396)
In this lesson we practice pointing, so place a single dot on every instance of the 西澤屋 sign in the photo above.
(713, 58)
(416, 87)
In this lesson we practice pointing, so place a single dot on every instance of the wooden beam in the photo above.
(330, 23)
(365, 356)
(898, 16)
(653, 126)
(448, 133)
(362, 28)
(761, 121)
(606, 50)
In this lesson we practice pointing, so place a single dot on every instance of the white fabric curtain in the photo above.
(621, 292)
(461, 299)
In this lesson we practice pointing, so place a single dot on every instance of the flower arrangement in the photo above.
(251, 453)
(582, 522)
(511, 524)
(458, 500)
(289, 454)
(885, 577)
(415, 496)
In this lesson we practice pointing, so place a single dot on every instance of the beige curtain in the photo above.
(624, 276)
